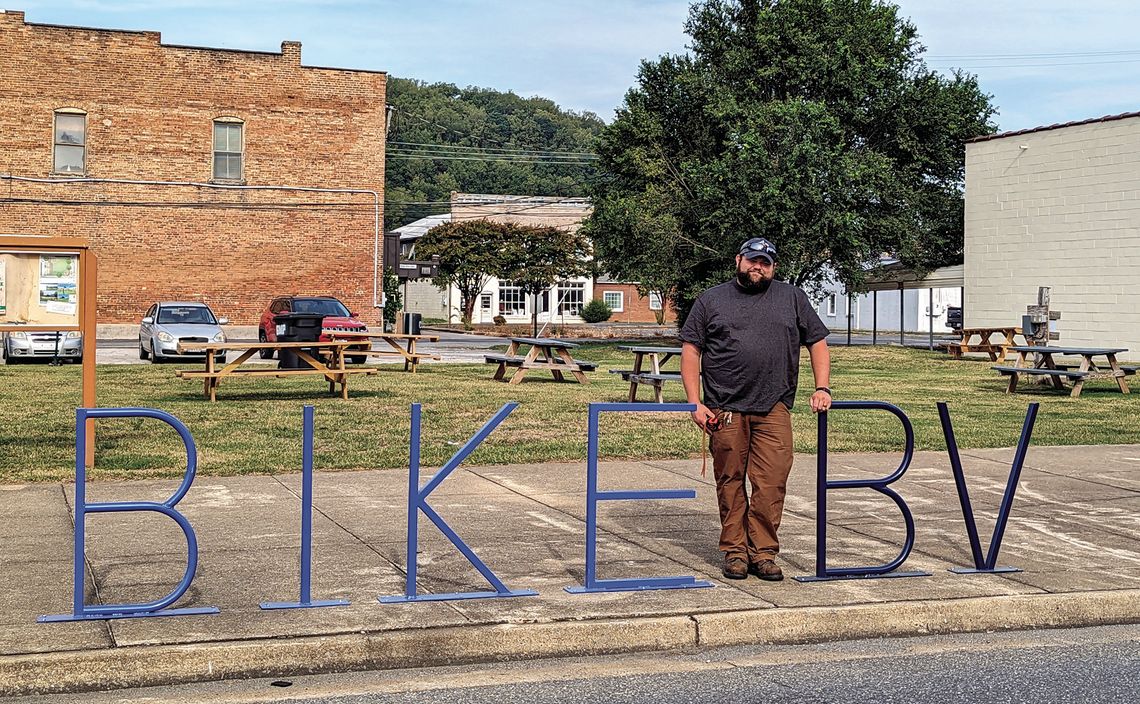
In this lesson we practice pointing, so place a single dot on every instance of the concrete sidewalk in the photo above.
(1075, 530)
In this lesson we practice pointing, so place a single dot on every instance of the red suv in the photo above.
(337, 318)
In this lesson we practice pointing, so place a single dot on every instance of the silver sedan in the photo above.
(168, 323)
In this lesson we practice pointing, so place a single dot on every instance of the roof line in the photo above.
(1059, 125)
(149, 32)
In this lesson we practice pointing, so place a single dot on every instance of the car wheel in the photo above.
(143, 354)
(265, 354)
(357, 358)
(155, 357)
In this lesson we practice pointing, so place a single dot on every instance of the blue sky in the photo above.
(584, 54)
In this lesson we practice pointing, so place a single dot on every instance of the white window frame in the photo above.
(510, 292)
(830, 300)
(620, 307)
(571, 307)
(486, 301)
(56, 144)
(214, 151)
(655, 301)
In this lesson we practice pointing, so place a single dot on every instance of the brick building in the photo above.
(216, 127)
(561, 303)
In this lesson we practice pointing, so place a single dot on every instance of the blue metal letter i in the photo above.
(417, 501)
(80, 610)
(989, 564)
(593, 496)
(823, 573)
(306, 601)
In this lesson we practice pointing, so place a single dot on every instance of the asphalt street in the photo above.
(1090, 665)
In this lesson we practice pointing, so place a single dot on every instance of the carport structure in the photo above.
(894, 276)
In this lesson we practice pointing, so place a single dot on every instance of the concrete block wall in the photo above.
(150, 110)
(1060, 208)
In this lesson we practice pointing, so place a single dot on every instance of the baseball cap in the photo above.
(758, 247)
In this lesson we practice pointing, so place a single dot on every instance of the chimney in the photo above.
(291, 52)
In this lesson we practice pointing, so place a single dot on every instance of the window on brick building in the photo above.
(654, 300)
(228, 150)
(69, 155)
(614, 299)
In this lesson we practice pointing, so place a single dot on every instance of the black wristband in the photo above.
(823, 388)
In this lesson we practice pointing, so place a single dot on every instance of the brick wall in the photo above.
(635, 308)
(149, 111)
(1057, 208)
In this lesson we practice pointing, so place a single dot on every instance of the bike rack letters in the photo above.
(418, 496)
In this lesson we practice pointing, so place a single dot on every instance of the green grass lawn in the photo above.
(255, 427)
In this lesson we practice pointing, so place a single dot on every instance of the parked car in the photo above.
(166, 324)
(337, 318)
(28, 345)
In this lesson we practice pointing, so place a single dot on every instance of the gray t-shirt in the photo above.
(750, 344)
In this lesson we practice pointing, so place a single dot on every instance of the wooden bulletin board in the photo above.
(40, 289)
(49, 283)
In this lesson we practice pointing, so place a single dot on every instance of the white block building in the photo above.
(1057, 206)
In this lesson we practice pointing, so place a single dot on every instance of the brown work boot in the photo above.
(735, 567)
(767, 570)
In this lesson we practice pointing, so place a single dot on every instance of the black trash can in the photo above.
(412, 323)
(298, 327)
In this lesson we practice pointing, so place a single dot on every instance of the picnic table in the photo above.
(407, 351)
(654, 376)
(545, 353)
(1045, 365)
(324, 358)
(996, 350)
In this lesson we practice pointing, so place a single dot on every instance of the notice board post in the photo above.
(49, 283)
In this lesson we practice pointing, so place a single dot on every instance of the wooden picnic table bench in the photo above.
(996, 350)
(1045, 365)
(309, 352)
(555, 358)
(657, 357)
(407, 351)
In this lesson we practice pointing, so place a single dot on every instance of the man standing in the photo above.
(743, 337)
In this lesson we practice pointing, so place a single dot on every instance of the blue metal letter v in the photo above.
(989, 563)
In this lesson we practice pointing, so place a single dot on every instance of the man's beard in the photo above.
(747, 284)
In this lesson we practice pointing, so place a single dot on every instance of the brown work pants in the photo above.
(757, 446)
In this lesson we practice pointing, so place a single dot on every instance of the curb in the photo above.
(150, 665)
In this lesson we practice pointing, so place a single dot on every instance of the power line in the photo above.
(467, 135)
(486, 155)
(222, 205)
(505, 160)
(459, 147)
(1075, 54)
(1076, 63)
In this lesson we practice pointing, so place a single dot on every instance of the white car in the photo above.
(46, 345)
(168, 323)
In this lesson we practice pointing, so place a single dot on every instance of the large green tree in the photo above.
(814, 123)
(476, 140)
(470, 253)
(536, 258)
